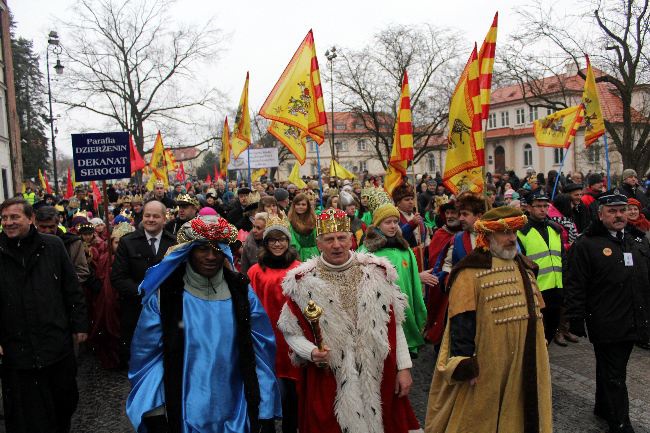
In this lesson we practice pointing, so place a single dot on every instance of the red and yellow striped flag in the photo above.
(594, 121)
(486, 64)
(402, 151)
(559, 129)
(295, 105)
(465, 148)
(241, 133)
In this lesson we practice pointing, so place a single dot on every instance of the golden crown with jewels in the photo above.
(332, 221)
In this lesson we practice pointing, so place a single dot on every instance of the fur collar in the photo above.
(375, 240)
(358, 351)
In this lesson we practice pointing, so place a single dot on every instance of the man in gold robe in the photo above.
(492, 374)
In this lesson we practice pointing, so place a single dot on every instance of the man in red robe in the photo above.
(436, 298)
(359, 378)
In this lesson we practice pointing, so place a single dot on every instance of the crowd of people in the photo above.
(201, 292)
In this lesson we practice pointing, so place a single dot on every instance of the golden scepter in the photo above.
(312, 313)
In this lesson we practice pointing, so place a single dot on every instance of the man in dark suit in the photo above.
(137, 252)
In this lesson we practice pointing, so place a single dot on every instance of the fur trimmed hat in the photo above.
(402, 191)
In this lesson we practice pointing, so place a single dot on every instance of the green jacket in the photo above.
(408, 280)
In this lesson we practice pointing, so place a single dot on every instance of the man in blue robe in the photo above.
(202, 357)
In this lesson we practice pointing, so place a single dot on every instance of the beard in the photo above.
(454, 223)
(503, 252)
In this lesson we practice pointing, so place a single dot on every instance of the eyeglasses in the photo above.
(277, 241)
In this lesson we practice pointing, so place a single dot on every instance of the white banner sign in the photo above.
(260, 158)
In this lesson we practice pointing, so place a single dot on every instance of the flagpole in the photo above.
(609, 180)
(248, 157)
(557, 178)
(320, 178)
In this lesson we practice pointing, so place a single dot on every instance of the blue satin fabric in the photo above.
(212, 385)
(159, 273)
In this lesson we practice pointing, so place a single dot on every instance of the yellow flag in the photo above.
(241, 133)
(594, 121)
(24, 188)
(295, 105)
(257, 174)
(465, 148)
(294, 177)
(170, 160)
(224, 157)
(41, 179)
(158, 164)
(340, 171)
(558, 129)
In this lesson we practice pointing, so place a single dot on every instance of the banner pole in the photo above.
(320, 177)
(609, 179)
(557, 178)
(248, 157)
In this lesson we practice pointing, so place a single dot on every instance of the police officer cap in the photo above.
(537, 195)
(612, 198)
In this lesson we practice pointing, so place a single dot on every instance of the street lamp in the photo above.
(55, 48)
(331, 55)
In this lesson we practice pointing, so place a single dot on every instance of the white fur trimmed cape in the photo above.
(358, 351)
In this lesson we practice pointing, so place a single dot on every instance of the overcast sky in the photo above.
(264, 34)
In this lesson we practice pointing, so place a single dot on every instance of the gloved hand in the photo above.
(577, 327)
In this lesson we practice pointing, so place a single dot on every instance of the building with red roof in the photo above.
(510, 143)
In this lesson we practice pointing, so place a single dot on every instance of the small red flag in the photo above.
(180, 173)
(137, 163)
(69, 188)
(188, 185)
(97, 196)
(208, 179)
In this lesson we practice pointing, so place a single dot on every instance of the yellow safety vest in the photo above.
(547, 257)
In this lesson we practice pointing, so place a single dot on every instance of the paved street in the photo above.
(101, 408)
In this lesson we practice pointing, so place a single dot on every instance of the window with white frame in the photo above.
(532, 114)
(528, 155)
(549, 111)
(492, 120)
(312, 146)
(431, 161)
(593, 154)
(341, 146)
(339, 126)
(363, 165)
(521, 116)
(505, 118)
(362, 146)
(557, 155)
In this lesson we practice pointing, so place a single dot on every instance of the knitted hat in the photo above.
(281, 194)
(380, 205)
(634, 202)
(402, 191)
(627, 173)
(96, 221)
